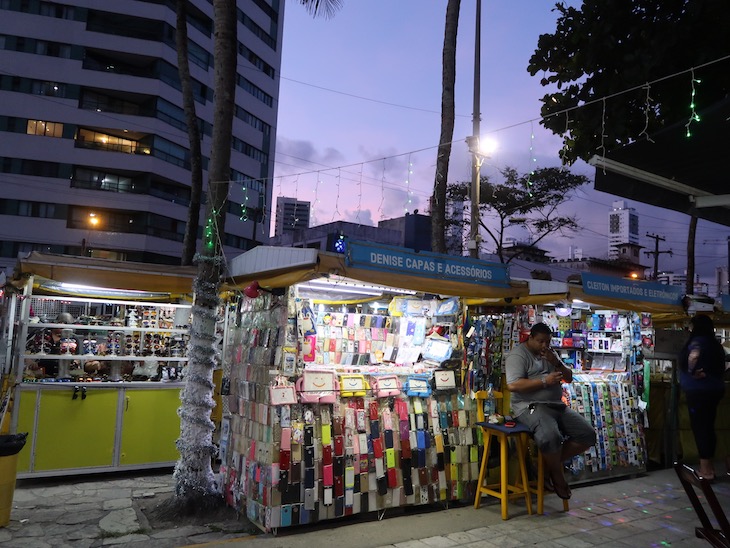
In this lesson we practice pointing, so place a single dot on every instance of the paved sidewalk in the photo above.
(649, 510)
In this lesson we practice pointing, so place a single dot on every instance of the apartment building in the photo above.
(292, 215)
(94, 152)
(623, 228)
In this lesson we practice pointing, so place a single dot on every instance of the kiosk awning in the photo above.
(280, 267)
(88, 271)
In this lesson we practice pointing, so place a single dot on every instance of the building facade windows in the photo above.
(26, 208)
(86, 138)
(98, 180)
(59, 11)
(51, 89)
(38, 47)
(47, 129)
(110, 69)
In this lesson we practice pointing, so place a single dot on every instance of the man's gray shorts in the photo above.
(550, 426)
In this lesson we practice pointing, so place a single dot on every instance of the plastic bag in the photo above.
(11, 444)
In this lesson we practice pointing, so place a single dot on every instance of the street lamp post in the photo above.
(93, 221)
(473, 141)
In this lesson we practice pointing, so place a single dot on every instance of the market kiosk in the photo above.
(346, 386)
(350, 378)
(101, 392)
(603, 329)
(619, 338)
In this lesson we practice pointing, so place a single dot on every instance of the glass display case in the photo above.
(97, 383)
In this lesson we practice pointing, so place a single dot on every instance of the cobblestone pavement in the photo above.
(648, 510)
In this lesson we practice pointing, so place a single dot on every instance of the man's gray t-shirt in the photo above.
(523, 364)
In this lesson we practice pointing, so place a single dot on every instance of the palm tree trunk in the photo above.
(690, 283)
(448, 82)
(193, 473)
(196, 158)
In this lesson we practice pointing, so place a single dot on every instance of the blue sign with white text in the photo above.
(426, 264)
(608, 286)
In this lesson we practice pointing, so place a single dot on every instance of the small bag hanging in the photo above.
(282, 392)
(387, 386)
(444, 380)
(353, 385)
(317, 387)
(418, 385)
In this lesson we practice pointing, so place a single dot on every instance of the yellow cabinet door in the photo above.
(150, 426)
(26, 423)
(75, 433)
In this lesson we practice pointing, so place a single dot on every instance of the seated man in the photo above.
(534, 375)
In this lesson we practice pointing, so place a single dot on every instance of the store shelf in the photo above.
(125, 329)
(109, 357)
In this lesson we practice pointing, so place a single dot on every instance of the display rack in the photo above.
(396, 439)
(110, 418)
(103, 330)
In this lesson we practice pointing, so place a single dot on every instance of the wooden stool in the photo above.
(537, 487)
(504, 490)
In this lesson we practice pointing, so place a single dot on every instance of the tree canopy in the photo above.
(607, 47)
(531, 200)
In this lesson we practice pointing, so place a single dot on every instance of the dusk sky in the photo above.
(360, 101)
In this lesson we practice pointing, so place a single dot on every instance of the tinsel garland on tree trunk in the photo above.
(193, 471)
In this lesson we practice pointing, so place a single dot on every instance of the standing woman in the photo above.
(701, 369)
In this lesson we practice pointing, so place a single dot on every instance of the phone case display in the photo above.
(484, 351)
(611, 406)
(357, 440)
(601, 348)
(414, 334)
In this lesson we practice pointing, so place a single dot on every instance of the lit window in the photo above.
(47, 129)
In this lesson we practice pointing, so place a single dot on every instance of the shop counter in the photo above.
(80, 428)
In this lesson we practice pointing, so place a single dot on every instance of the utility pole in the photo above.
(474, 141)
(656, 251)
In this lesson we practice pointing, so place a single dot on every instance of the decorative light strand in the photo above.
(514, 125)
(295, 217)
(262, 202)
(603, 132)
(316, 197)
(647, 108)
(693, 116)
(209, 240)
(278, 186)
(336, 212)
(532, 159)
(382, 193)
(566, 138)
(359, 197)
(244, 205)
(407, 205)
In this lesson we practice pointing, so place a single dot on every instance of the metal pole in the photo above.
(476, 160)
